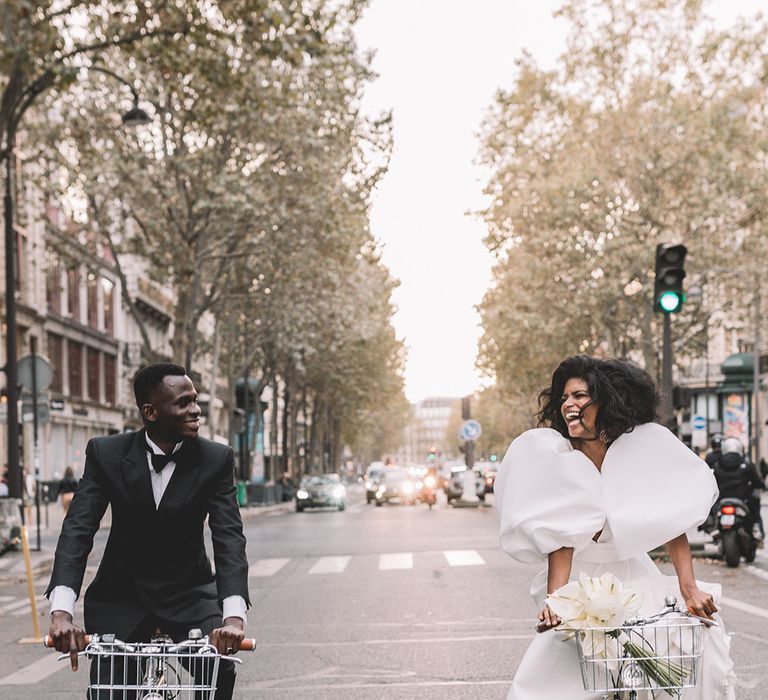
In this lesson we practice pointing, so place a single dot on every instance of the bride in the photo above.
(594, 491)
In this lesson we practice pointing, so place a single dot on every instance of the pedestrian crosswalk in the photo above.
(390, 561)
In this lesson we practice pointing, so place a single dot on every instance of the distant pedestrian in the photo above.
(67, 488)
(763, 468)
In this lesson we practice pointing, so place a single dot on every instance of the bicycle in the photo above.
(160, 669)
(658, 653)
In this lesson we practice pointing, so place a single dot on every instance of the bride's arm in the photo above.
(558, 573)
(697, 601)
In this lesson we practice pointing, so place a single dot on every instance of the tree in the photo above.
(650, 130)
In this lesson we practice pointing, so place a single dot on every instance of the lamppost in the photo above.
(133, 117)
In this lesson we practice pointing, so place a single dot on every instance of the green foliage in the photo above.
(651, 129)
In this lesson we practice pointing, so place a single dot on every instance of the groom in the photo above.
(161, 483)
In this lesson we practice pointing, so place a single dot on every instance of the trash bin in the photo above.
(242, 493)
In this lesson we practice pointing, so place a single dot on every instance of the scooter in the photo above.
(731, 528)
(430, 486)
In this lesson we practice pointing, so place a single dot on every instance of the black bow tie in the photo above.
(159, 462)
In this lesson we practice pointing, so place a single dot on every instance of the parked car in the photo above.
(396, 485)
(488, 474)
(373, 476)
(320, 490)
(455, 485)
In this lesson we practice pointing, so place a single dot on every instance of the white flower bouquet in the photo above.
(601, 613)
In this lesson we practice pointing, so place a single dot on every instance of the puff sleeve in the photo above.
(548, 496)
(654, 489)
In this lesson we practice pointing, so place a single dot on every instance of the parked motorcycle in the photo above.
(10, 525)
(731, 528)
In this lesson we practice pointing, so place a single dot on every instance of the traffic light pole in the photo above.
(667, 412)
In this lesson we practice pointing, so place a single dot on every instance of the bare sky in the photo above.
(439, 64)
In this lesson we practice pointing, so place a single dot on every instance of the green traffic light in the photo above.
(670, 301)
(493, 458)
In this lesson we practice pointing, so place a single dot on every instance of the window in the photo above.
(75, 368)
(110, 379)
(93, 301)
(53, 283)
(108, 294)
(73, 292)
(94, 374)
(21, 257)
(55, 354)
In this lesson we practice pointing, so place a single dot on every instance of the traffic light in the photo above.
(493, 458)
(668, 294)
(432, 454)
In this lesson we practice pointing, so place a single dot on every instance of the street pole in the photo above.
(666, 376)
(35, 425)
(756, 372)
(15, 481)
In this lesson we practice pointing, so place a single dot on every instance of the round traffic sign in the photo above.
(470, 430)
(42, 369)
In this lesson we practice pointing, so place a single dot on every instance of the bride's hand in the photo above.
(700, 603)
(547, 620)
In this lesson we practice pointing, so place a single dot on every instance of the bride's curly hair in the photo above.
(624, 393)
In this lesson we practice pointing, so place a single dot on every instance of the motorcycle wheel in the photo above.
(731, 549)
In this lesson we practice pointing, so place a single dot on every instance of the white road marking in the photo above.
(36, 671)
(760, 573)
(395, 560)
(18, 604)
(330, 565)
(266, 567)
(378, 686)
(745, 607)
(417, 640)
(463, 557)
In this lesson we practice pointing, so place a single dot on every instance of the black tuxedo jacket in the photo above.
(155, 560)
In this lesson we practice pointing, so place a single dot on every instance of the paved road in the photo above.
(392, 602)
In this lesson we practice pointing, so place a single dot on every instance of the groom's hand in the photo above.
(227, 638)
(68, 638)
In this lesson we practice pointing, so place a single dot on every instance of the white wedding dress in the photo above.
(650, 489)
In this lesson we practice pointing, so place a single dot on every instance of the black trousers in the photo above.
(115, 668)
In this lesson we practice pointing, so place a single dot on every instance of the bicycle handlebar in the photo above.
(245, 645)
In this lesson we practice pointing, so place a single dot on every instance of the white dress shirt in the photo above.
(63, 597)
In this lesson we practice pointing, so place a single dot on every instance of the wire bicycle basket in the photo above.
(158, 670)
(657, 653)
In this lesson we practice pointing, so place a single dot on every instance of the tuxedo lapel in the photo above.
(184, 478)
(136, 472)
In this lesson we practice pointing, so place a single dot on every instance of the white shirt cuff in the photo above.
(234, 606)
(63, 598)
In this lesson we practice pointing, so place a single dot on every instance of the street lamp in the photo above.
(133, 117)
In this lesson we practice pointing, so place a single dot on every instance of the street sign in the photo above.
(698, 432)
(470, 430)
(41, 367)
(28, 415)
(699, 423)
(57, 404)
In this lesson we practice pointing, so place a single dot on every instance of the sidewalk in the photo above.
(12, 567)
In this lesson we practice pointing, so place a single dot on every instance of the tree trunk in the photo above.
(214, 380)
(273, 433)
(314, 436)
(285, 416)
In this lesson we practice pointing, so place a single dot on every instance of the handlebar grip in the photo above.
(48, 641)
(248, 645)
